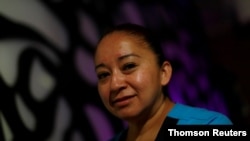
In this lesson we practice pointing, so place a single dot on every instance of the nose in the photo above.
(117, 82)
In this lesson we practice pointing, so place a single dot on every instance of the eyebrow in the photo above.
(119, 59)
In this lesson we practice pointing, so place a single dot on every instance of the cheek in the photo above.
(104, 95)
(146, 79)
(142, 79)
(103, 92)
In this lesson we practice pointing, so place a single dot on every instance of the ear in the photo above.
(166, 73)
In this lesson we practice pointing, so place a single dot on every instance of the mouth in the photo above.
(123, 101)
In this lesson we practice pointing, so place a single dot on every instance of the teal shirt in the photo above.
(182, 114)
(188, 115)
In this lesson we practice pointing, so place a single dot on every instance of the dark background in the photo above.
(47, 80)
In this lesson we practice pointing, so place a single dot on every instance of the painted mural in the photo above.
(47, 80)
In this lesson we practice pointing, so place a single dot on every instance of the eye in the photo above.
(128, 66)
(102, 75)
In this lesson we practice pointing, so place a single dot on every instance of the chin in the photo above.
(127, 116)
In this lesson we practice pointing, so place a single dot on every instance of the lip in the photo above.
(122, 101)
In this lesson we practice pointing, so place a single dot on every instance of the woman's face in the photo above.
(130, 81)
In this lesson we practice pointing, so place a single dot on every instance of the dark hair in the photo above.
(142, 32)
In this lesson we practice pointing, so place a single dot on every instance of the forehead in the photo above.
(121, 40)
(119, 44)
(118, 36)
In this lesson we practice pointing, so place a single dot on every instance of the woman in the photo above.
(131, 75)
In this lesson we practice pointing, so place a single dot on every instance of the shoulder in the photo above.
(194, 115)
(115, 138)
(120, 136)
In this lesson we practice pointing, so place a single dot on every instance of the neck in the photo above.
(149, 127)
